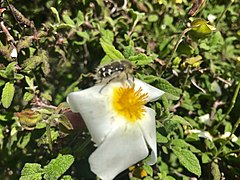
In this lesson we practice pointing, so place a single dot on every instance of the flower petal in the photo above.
(94, 111)
(148, 128)
(153, 93)
(123, 147)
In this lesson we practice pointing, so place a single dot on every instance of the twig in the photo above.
(175, 49)
(224, 11)
(224, 81)
(214, 108)
(197, 86)
(41, 104)
(5, 30)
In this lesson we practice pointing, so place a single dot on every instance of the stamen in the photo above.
(129, 103)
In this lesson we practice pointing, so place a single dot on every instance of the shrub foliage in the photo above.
(188, 49)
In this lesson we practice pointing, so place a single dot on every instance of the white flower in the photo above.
(119, 123)
(205, 119)
(14, 53)
(227, 134)
(211, 18)
(202, 134)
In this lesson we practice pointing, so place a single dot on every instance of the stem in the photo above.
(235, 125)
(49, 137)
(175, 48)
(230, 107)
(180, 100)
(224, 11)
(233, 101)
(228, 138)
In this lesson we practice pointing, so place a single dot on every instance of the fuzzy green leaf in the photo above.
(152, 18)
(58, 166)
(161, 138)
(28, 96)
(215, 171)
(7, 94)
(3, 73)
(18, 76)
(169, 88)
(141, 59)
(10, 69)
(80, 18)
(45, 67)
(25, 42)
(107, 36)
(111, 51)
(55, 12)
(31, 171)
(188, 160)
(2, 82)
(68, 20)
(66, 177)
(180, 120)
(171, 91)
(31, 63)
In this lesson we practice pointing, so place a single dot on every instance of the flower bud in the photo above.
(201, 28)
(29, 118)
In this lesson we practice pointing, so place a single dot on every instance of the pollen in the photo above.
(129, 103)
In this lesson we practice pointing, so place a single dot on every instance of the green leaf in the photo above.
(128, 51)
(148, 169)
(180, 120)
(180, 143)
(55, 12)
(188, 160)
(31, 171)
(105, 60)
(68, 20)
(84, 36)
(111, 51)
(215, 171)
(2, 82)
(3, 73)
(171, 91)
(80, 18)
(46, 96)
(141, 59)
(161, 138)
(28, 96)
(25, 42)
(31, 63)
(169, 178)
(107, 36)
(58, 166)
(66, 177)
(3, 117)
(136, 15)
(10, 70)
(18, 76)
(29, 81)
(45, 67)
(23, 140)
(152, 18)
(7, 94)
(205, 158)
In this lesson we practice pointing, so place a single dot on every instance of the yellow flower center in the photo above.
(129, 103)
